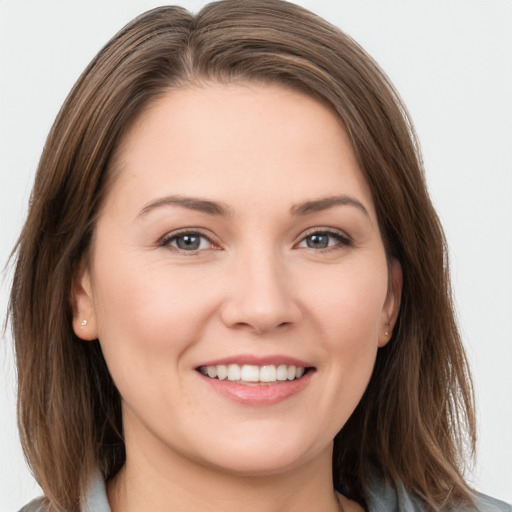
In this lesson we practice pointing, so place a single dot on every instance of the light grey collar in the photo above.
(96, 498)
(381, 497)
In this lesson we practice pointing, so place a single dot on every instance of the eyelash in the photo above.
(167, 240)
(342, 240)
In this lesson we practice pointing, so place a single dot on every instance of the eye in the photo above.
(324, 240)
(187, 241)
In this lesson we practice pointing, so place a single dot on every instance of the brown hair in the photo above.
(416, 417)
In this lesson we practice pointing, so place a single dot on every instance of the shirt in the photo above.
(382, 497)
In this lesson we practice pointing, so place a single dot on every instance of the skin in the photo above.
(253, 286)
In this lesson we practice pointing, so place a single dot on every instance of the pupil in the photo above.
(318, 241)
(188, 242)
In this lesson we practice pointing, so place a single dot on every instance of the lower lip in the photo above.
(258, 394)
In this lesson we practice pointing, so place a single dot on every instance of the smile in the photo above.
(252, 374)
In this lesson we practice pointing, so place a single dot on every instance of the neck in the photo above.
(175, 483)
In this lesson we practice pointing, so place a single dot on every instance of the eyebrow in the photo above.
(191, 203)
(222, 210)
(325, 203)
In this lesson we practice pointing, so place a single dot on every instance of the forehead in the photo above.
(235, 140)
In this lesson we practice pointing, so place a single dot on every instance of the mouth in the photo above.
(251, 374)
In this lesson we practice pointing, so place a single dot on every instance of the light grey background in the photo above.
(452, 62)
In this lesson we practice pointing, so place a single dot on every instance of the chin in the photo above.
(264, 455)
(259, 464)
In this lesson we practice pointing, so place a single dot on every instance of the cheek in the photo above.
(148, 314)
(347, 310)
(347, 303)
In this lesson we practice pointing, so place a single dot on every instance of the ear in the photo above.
(84, 312)
(392, 303)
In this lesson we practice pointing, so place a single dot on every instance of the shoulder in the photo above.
(383, 496)
(37, 505)
(94, 499)
(487, 504)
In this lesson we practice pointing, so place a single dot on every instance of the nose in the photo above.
(260, 295)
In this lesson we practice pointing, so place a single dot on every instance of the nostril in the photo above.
(260, 308)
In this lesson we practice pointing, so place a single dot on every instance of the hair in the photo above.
(415, 423)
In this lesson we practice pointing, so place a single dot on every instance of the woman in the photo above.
(230, 261)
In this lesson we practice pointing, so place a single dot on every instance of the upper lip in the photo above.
(252, 359)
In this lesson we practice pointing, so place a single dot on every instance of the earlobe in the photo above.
(392, 303)
(84, 314)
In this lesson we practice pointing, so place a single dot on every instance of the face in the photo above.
(238, 240)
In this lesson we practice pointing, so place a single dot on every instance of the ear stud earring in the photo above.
(84, 322)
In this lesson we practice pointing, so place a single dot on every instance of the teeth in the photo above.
(250, 373)
(233, 372)
(253, 373)
(222, 371)
(282, 372)
(268, 373)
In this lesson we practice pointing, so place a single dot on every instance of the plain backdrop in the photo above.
(451, 60)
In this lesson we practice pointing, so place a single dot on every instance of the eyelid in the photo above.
(342, 236)
(165, 240)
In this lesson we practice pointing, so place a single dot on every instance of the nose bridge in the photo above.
(260, 293)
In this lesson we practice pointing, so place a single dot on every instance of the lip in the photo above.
(242, 359)
(254, 394)
(257, 394)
